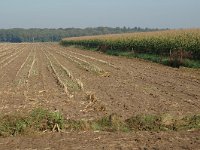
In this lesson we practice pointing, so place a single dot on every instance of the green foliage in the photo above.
(145, 123)
(12, 125)
(76, 125)
(191, 63)
(158, 43)
(43, 120)
(110, 123)
(37, 120)
(188, 123)
(154, 46)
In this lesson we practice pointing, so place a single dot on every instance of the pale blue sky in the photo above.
(93, 13)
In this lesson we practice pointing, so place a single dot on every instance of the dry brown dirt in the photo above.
(85, 84)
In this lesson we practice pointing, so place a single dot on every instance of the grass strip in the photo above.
(147, 56)
(40, 120)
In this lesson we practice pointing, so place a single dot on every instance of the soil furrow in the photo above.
(133, 87)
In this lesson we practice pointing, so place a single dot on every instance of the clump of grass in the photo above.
(37, 120)
(188, 123)
(42, 119)
(110, 123)
(145, 123)
(77, 125)
(12, 125)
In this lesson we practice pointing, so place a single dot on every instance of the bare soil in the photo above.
(85, 85)
(105, 141)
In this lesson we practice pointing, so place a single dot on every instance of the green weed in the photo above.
(40, 120)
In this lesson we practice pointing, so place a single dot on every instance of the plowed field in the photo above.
(57, 78)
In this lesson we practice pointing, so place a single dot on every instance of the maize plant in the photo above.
(160, 42)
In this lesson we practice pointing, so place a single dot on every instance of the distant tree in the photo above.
(18, 35)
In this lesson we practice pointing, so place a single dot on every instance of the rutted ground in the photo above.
(84, 84)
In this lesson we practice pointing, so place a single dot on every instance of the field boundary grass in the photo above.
(43, 120)
(145, 56)
(154, 58)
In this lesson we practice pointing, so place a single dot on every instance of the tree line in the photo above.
(18, 35)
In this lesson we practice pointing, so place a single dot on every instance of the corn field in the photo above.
(160, 42)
